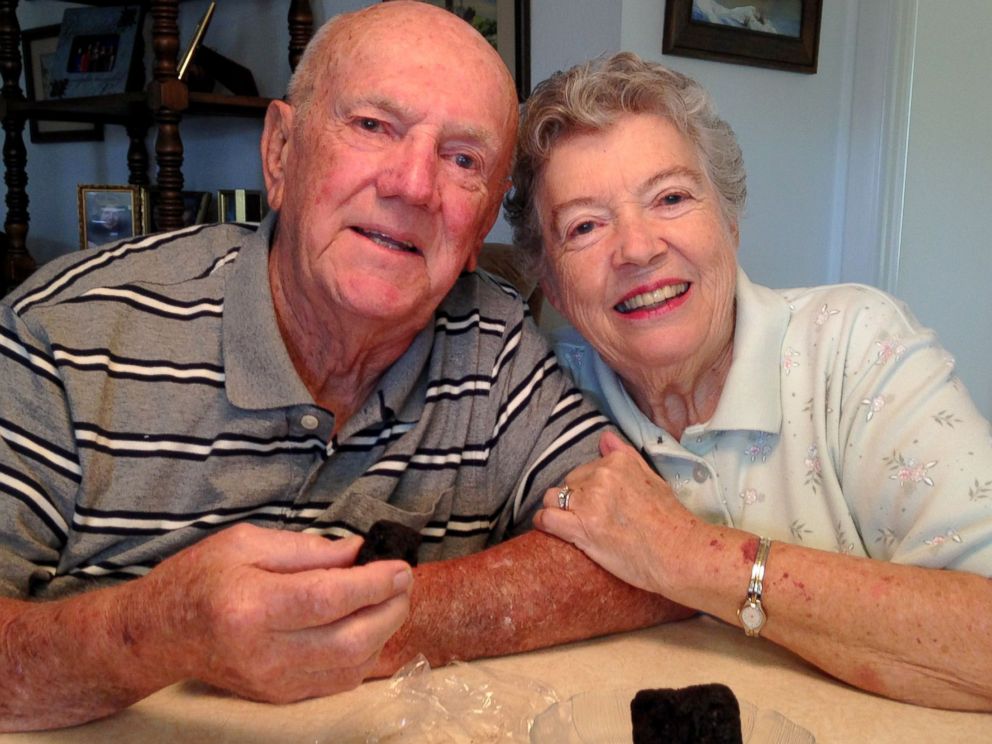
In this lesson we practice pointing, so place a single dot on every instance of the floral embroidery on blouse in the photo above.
(759, 447)
(814, 467)
(751, 496)
(798, 529)
(886, 536)
(875, 405)
(889, 349)
(680, 486)
(843, 544)
(937, 540)
(980, 490)
(790, 360)
(946, 418)
(909, 472)
(824, 315)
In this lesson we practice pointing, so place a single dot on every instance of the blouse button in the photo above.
(309, 422)
(700, 473)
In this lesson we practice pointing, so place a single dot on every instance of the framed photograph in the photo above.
(38, 47)
(780, 34)
(98, 53)
(506, 24)
(196, 205)
(108, 214)
(241, 205)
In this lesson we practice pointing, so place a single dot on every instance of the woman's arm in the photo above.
(919, 635)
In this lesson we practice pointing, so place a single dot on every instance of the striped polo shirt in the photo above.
(148, 400)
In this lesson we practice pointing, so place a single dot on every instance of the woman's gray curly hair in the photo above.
(590, 97)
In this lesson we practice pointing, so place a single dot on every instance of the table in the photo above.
(694, 651)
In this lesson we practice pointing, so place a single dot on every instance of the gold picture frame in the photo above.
(108, 213)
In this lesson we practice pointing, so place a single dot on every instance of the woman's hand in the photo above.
(621, 514)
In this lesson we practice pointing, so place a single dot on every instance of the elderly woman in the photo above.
(825, 479)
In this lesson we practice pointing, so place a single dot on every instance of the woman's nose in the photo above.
(640, 241)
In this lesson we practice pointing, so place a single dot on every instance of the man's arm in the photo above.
(529, 592)
(270, 615)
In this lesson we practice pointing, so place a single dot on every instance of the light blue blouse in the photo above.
(841, 426)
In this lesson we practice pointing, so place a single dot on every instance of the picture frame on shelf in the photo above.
(38, 47)
(99, 52)
(108, 213)
(506, 25)
(776, 34)
(196, 208)
(241, 205)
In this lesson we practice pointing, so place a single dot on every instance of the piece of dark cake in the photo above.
(701, 714)
(387, 540)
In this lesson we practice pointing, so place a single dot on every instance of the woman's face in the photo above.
(641, 259)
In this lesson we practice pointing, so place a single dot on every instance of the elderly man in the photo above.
(166, 397)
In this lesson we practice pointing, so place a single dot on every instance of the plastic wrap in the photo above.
(456, 704)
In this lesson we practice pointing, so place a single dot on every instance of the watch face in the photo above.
(752, 617)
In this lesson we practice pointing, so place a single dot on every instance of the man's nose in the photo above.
(411, 172)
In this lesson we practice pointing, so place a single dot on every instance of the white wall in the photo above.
(822, 151)
(790, 125)
(945, 253)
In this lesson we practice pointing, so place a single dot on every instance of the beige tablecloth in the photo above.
(696, 651)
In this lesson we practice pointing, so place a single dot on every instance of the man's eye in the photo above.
(369, 124)
(464, 161)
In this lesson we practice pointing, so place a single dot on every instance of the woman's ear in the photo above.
(275, 145)
(549, 287)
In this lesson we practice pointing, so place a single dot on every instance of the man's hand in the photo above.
(281, 616)
(270, 615)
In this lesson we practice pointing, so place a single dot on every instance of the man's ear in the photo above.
(472, 262)
(275, 146)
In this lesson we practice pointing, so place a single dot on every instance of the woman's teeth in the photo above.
(652, 299)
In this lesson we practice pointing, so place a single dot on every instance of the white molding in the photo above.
(878, 145)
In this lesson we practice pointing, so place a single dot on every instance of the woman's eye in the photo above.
(583, 228)
(671, 200)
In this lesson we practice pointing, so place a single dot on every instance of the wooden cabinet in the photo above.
(164, 103)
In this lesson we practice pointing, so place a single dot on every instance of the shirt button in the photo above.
(700, 473)
(309, 422)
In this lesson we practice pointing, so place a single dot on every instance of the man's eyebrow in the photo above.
(468, 132)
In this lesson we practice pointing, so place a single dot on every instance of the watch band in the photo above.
(752, 613)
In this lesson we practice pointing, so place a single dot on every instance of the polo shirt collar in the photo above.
(751, 398)
(259, 372)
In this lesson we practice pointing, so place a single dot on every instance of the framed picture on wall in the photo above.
(99, 52)
(780, 34)
(241, 205)
(196, 206)
(108, 214)
(506, 25)
(38, 48)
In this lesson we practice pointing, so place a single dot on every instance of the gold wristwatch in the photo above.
(752, 614)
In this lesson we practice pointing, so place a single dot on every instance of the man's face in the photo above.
(394, 175)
